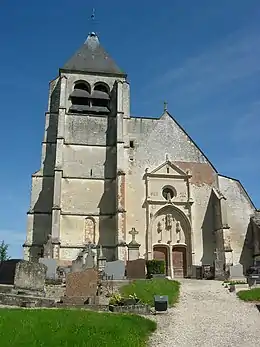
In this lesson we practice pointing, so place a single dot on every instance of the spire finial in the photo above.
(165, 106)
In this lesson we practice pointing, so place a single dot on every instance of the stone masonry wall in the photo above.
(153, 139)
(239, 210)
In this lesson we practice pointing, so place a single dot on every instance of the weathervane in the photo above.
(93, 19)
(93, 14)
(165, 106)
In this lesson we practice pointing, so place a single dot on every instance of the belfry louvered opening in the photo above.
(85, 101)
(100, 98)
(80, 98)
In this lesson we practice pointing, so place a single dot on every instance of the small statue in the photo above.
(169, 197)
(168, 221)
(159, 230)
(178, 231)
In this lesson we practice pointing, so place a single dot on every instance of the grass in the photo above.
(146, 289)
(249, 295)
(67, 328)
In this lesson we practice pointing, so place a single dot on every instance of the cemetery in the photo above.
(74, 292)
(124, 292)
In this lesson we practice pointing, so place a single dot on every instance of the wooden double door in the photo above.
(179, 259)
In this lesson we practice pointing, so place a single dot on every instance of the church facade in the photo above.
(104, 172)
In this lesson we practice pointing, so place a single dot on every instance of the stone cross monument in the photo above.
(133, 246)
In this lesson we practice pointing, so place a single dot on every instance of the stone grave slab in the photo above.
(52, 265)
(77, 265)
(81, 284)
(135, 269)
(115, 269)
(7, 271)
(89, 260)
(30, 276)
(236, 272)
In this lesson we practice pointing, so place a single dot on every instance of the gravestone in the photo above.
(30, 276)
(135, 269)
(77, 265)
(80, 286)
(236, 272)
(7, 271)
(51, 264)
(115, 269)
(89, 262)
(133, 246)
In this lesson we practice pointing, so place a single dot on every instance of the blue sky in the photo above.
(202, 56)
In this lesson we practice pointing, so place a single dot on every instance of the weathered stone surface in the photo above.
(136, 269)
(236, 272)
(115, 269)
(81, 284)
(25, 301)
(48, 248)
(30, 276)
(51, 265)
(77, 265)
(80, 300)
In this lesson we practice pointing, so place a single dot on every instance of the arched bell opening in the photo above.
(100, 98)
(80, 97)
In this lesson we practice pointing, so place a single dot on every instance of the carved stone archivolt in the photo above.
(168, 228)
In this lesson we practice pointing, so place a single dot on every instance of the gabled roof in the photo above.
(174, 169)
(91, 57)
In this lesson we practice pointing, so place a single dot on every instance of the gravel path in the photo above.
(207, 315)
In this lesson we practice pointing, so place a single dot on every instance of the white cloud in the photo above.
(232, 59)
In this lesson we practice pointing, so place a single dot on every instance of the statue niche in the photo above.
(89, 231)
(168, 228)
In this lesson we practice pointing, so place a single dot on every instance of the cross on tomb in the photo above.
(133, 232)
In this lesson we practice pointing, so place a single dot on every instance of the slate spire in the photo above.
(91, 57)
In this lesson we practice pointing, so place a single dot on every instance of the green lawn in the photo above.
(72, 328)
(249, 295)
(146, 289)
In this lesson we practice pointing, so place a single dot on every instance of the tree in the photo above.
(4, 251)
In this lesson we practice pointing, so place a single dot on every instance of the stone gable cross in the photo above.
(133, 232)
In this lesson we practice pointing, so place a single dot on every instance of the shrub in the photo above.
(155, 267)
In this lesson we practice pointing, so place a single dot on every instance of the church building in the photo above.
(107, 177)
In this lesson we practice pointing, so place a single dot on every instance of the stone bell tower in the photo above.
(74, 195)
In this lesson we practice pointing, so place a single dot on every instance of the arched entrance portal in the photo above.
(169, 239)
(179, 261)
(161, 252)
